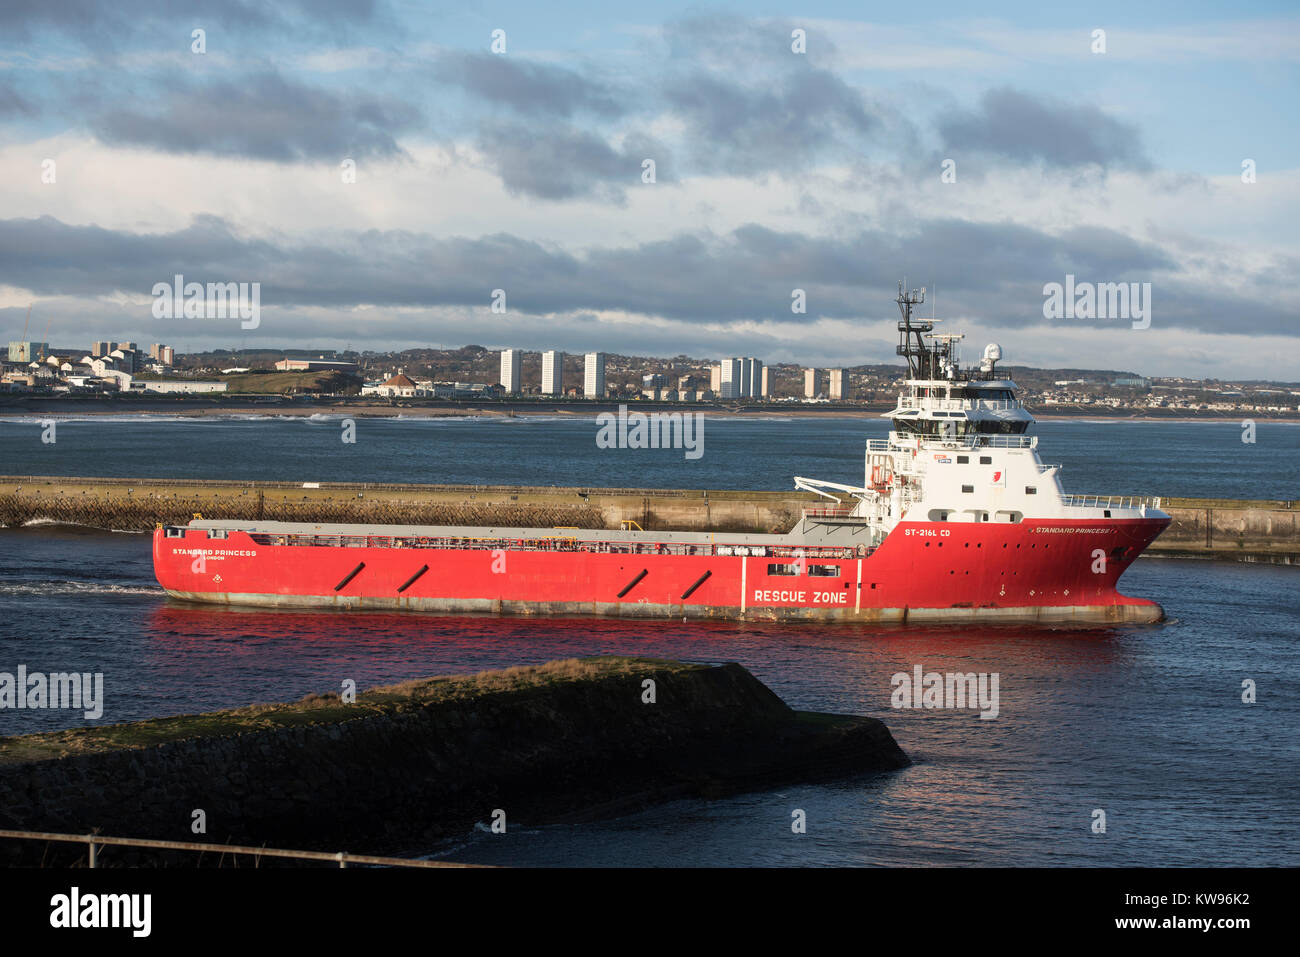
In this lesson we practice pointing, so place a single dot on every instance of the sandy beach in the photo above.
(202, 407)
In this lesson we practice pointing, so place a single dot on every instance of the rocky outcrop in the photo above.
(404, 768)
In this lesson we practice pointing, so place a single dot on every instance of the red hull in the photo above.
(1034, 570)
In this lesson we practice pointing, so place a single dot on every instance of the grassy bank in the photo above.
(317, 709)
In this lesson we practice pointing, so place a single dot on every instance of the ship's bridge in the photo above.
(956, 408)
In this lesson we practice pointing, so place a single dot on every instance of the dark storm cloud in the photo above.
(537, 89)
(90, 260)
(1059, 133)
(992, 272)
(564, 162)
(264, 117)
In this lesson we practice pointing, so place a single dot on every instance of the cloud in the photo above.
(991, 272)
(750, 105)
(537, 89)
(263, 116)
(563, 162)
(1058, 133)
(738, 45)
(778, 124)
(93, 20)
(11, 102)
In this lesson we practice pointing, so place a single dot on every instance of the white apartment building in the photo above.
(552, 373)
(511, 363)
(593, 378)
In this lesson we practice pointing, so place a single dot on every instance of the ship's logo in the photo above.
(943, 460)
(217, 579)
(997, 476)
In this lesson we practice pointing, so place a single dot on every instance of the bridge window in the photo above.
(998, 426)
(968, 488)
(986, 460)
(1030, 490)
(963, 460)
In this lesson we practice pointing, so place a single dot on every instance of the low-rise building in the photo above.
(182, 386)
(315, 365)
(398, 386)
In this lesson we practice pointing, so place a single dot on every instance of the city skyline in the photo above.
(75, 353)
(719, 182)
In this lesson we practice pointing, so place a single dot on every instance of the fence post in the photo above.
(343, 859)
(91, 845)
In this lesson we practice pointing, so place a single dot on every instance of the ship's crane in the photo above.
(45, 336)
(27, 322)
(820, 487)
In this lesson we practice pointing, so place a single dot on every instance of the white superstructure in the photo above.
(958, 451)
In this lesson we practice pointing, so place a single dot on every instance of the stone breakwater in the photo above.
(403, 768)
(1260, 531)
(140, 504)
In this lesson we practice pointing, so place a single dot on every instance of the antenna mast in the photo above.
(921, 359)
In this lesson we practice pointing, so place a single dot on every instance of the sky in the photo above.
(381, 168)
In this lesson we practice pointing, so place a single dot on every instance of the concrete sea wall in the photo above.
(1201, 528)
(139, 504)
(1233, 530)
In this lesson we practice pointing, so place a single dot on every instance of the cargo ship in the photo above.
(957, 520)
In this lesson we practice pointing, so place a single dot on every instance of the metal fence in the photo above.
(341, 858)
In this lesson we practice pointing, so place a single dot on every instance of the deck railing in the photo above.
(558, 543)
(971, 441)
(828, 511)
(1004, 441)
(959, 405)
(1110, 501)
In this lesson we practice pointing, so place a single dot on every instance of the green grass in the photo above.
(264, 383)
(325, 708)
